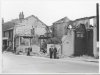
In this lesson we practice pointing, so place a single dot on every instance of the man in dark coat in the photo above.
(51, 51)
(29, 50)
(55, 52)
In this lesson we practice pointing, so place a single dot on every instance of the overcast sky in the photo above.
(48, 11)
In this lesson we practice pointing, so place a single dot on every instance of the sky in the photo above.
(48, 11)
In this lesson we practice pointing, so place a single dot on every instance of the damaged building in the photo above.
(19, 34)
(81, 37)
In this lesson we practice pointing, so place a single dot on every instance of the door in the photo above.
(80, 44)
(80, 41)
(4, 44)
(90, 42)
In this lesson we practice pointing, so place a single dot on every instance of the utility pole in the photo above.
(97, 15)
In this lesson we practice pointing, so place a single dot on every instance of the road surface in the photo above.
(31, 64)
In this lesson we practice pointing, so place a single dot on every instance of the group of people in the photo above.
(53, 52)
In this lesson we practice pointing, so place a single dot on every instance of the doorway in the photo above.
(4, 44)
(89, 42)
(83, 41)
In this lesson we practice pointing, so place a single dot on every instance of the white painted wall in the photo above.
(35, 48)
(95, 43)
(68, 44)
(95, 52)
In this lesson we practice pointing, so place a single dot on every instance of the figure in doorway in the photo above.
(51, 51)
(55, 52)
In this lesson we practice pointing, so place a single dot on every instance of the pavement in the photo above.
(87, 59)
(84, 58)
(81, 59)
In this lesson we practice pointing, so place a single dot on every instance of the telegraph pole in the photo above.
(97, 15)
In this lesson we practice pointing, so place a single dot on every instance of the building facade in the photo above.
(81, 38)
(28, 33)
(58, 27)
(23, 32)
(68, 43)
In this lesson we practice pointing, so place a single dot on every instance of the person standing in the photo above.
(51, 52)
(28, 53)
(55, 52)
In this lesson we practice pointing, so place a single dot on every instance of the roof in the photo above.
(79, 19)
(85, 18)
(10, 25)
(7, 26)
(36, 18)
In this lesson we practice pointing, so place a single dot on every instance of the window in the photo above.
(91, 22)
(80, 35)
(25, 41)
(22, 41)
(70, 27)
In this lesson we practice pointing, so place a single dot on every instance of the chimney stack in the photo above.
(21, 16)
